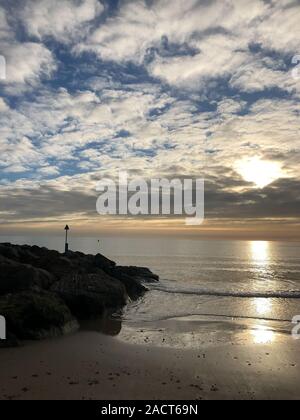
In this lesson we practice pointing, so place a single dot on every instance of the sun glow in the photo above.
(259, 172)
(262, 335)
(263, 305)
(260, 252)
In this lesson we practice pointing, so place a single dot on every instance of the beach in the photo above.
(91, 365)
(218, 325)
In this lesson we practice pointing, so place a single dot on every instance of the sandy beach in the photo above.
(90, 365)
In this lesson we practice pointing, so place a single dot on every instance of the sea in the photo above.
(209, 290)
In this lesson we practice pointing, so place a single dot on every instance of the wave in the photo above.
(221, 317)
(293, 294)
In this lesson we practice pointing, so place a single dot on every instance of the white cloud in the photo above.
(3, 106)
(84, 128)
(219, 32)
(216, 59)
(60, 19)
(138, 27)
(230, 106)
(279, 29)
(49, 170)
(5, 31)
(26, 62)
(19, 155)
(257, 76)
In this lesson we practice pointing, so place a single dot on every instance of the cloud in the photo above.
(229, 106)
(19, 155)
(3, 106)
(215, 60)
(263, 74)
(138, 27)
(284, 16)
(158, 88)
(5, 30)
(63, 20)
(217, 34)
(49, 170)
(26, 62)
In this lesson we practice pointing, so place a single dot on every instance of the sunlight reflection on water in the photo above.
(263, 305)
(260, 252)
(262, 335)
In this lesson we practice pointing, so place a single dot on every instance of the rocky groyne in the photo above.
(45, 293)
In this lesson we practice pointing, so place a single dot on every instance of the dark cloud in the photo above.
(279, 200)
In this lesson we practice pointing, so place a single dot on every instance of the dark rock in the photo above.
(88, 295)
(9, 251)
(140, 273)
(56, 264)
(133, 287)
(39, 289)
(36, 315)
(102, 262)
(15, 277)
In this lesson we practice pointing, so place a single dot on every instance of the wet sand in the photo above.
(89, 365)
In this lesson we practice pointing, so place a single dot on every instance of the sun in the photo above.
(259, 172)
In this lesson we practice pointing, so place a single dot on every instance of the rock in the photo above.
(36, 315)
(87, 295)
(8, 251)
(102, 262)
(140, 273)
(51, 261)
(40, 289)
(3, 259)
(15, 277)
(56, 264)
(133, 287)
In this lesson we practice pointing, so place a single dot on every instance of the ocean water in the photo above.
(222, 279)
(229, 282)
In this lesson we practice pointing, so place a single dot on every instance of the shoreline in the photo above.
(91, 365)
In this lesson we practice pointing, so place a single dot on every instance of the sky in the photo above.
(181, 88)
